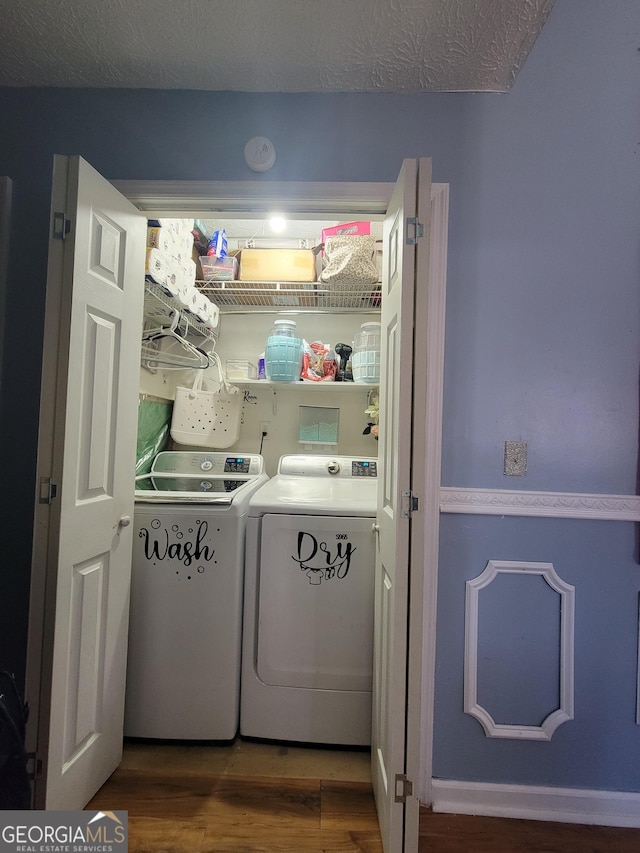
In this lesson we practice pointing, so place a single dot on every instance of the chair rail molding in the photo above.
(545, 730)
(545, 504)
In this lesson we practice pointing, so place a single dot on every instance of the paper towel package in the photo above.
(347, 228)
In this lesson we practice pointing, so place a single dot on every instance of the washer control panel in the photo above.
(212, 463)
(237, 465)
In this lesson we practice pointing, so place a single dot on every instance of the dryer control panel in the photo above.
(364, 468)
(340, 467)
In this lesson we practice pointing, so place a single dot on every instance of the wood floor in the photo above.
(266, 798)
(246, 797)
(443, 833)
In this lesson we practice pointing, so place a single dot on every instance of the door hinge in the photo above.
(404, 788)
(415, 230)
(34, 765)
(48, 490)
(61, 225)
(409, 504)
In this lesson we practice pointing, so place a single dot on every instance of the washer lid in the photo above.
(177, 488)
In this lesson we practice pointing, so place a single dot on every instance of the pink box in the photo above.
(348, 229)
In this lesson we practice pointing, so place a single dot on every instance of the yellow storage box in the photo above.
(277, 265)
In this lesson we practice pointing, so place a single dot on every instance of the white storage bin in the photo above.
(365, 360)
(240, 368)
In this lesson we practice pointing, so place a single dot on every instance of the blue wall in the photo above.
(599, 747)
(542, 346)
(542, 323)
(543, 297)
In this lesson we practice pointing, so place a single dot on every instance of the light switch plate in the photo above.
(515, 458)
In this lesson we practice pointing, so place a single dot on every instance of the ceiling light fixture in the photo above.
(278, 223)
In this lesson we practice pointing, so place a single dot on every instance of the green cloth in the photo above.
(154, 421)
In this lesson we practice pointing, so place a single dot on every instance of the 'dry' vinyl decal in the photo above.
(322, 560)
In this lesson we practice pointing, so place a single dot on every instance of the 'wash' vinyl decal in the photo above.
(186, 550)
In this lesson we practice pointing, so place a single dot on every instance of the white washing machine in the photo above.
(307, 654)
(185, 624)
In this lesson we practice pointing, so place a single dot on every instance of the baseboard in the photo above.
(565, 805)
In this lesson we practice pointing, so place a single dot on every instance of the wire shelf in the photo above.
(160, 308)
(241, 296)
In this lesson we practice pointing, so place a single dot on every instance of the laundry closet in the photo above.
(218, 416)
(277, 417)
(102, 388)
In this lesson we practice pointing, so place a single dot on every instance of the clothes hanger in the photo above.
(187, 356)
(190, 357)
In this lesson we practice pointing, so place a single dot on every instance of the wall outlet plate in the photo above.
(515, 458)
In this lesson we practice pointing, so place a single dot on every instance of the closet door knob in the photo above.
(124, 521)
(375, 528)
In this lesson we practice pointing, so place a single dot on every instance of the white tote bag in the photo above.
(207, 418)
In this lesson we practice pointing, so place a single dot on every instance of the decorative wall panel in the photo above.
(562, 610)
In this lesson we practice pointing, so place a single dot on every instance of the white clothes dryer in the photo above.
(185, 624)
(307, 655)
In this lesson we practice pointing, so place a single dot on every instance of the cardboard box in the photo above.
(277, 265)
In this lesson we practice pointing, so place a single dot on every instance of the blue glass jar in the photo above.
(283, 352)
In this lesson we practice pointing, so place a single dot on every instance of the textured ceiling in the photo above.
(269, 45)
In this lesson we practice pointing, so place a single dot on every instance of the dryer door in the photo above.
(315, 603)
